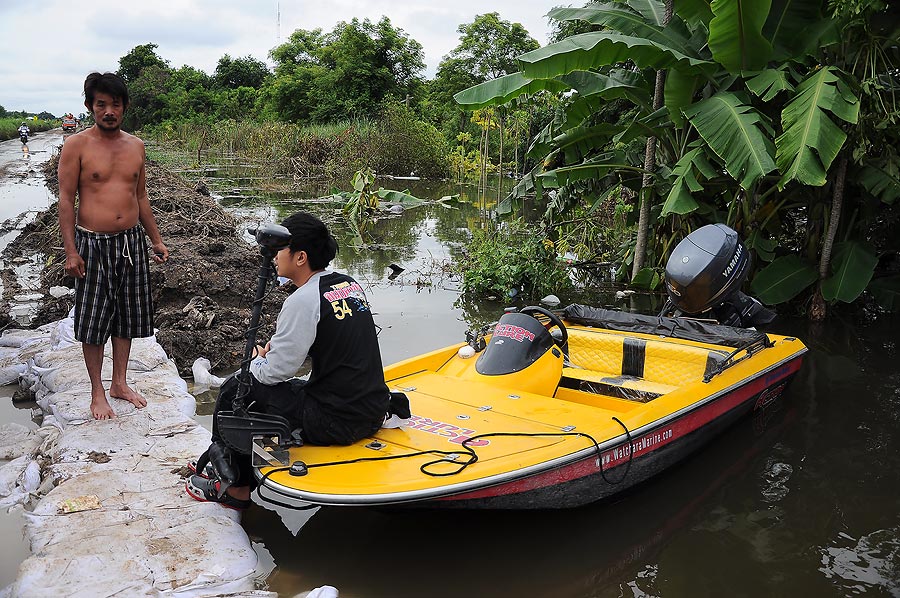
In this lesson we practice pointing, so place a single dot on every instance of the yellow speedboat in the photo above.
(548, 410)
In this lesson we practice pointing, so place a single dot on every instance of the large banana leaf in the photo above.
(530, 184)
(503, 89)
(679, 92)
(733, 131)
(601, 48)
(887, 292)
(582, 142)
(783, 279)
(735, 34)
(595, 168)
(811, 140)
(646, 278)
(680, 199)
(400, 197)
(542, 144)
(695, 13)
(580, 109)
(762, 245)
(647, 125)
(853, 265)
(618, 83)
(646, 22)
(881, 183)
(652, 10)
(769, 83)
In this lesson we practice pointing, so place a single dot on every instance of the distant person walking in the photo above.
(106, 250)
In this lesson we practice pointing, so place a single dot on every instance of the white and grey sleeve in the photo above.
(295, 333)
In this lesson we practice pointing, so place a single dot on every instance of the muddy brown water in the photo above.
(799, 501)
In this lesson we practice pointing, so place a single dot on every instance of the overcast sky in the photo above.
(49, 46)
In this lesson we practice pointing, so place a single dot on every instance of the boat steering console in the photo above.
(555, 322)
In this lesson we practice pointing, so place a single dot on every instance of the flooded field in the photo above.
(794, 502)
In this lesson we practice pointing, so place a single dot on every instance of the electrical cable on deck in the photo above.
(462, 466)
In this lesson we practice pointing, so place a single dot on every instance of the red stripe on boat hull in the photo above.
(691, 430)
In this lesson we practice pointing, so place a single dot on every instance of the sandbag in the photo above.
(111, 514)
(16, 440)
(141, 523)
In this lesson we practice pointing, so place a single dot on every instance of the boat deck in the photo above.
(613, 387)
(526, 429)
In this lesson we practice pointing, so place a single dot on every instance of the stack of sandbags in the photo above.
(110, 515)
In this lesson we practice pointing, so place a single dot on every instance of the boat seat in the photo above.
(633, 368)
(605, 383)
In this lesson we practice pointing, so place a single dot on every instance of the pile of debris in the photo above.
(202, 293)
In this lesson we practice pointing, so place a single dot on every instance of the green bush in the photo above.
(512, 257)
(401, 145)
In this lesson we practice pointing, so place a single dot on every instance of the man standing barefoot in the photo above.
(106, 250)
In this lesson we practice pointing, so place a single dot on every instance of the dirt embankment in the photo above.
(202, 294)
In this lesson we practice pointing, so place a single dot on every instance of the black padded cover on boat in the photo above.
(684, 328)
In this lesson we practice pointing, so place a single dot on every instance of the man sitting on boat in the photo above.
(327, 318)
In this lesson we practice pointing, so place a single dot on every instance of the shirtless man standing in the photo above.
(106, 250)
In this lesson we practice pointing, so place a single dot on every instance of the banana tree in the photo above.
(752, 123)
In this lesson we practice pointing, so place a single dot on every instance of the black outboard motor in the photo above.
(704, 275)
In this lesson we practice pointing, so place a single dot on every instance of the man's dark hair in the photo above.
(310, 234)
(109, 83)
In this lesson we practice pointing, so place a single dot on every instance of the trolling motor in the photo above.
(239, 427)
(703, 279)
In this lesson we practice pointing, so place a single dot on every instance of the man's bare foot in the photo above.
(100, 408)
(126, 393)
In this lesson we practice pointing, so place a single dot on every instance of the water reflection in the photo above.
(856, 565)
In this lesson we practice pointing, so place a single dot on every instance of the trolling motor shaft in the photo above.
(239, 426)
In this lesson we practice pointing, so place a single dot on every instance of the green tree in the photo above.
(236, 104)
(149, 103)
(489, 45)
(140, 57)
(188, 78)
(452, 76)
(146, 75)
(232, 73)
(346, 73)
(487, 49)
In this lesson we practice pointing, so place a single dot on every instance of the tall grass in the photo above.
(395, 144)
(271, 143)
(9, 127)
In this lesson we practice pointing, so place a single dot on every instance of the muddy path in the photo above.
(202, 294)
